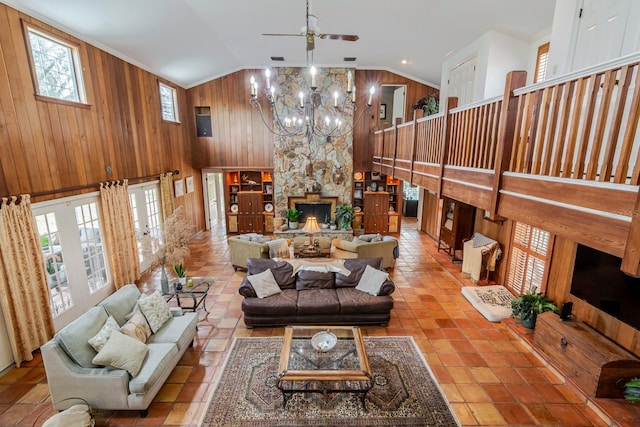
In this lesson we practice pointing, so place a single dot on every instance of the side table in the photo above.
(197, 294)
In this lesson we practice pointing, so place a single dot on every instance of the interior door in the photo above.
(600, 32)
(398, 104)
(462, 80)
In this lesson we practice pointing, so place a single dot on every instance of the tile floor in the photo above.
(487, 371)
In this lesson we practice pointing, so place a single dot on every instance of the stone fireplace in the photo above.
(310, 166)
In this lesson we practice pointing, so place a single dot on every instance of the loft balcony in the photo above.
(560, 155)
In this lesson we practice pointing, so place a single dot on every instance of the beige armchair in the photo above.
(241, 249)
(361, 249)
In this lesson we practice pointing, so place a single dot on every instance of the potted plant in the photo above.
(327, 221)
(181, 272)
(293, 215)
(527, 306)
(632, 390)
(345, 215)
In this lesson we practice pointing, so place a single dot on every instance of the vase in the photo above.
(164, 281)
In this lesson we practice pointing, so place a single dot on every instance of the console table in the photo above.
(334, 234)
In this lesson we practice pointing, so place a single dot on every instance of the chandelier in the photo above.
(312, 113)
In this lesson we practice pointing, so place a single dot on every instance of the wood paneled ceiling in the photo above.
(193, 41)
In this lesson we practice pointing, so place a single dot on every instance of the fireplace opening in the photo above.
(321, 211)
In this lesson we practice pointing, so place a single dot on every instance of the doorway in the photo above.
(213, 192)
(392, 105)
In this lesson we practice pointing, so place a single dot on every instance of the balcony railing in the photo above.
(561, 155)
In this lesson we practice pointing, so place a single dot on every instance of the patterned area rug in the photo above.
(404, 392)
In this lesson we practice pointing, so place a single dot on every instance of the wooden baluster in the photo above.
(567, 168)
(601, 124)
(586, 126)
(452, 102)
(567, 95)
(629, 138)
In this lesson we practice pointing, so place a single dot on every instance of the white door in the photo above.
(398, 104)
(213, 198)
(145, 207)
(72, 246)
(461, 81)
(600, 32)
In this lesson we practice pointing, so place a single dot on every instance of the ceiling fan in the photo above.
(311, 31)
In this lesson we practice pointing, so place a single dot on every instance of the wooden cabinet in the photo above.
(456, 225)
(249, 201)
(376, 216)
(379, 199)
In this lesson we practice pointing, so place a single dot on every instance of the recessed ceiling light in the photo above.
(277, 58)
(404, 61)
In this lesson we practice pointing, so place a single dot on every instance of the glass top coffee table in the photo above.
(196, 294)
(323, 359)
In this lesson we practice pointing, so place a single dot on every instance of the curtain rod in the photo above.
(94, 185)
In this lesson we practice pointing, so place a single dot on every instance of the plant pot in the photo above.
(182, 280)
(333, 227)
(529, 322)
(325, 226)
(293, 225)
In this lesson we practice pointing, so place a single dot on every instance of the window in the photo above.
(168, 103)
(530, 254)
(55, 67)
(146, 215)
(541, 63)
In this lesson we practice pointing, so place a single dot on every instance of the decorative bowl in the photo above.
(324, 341)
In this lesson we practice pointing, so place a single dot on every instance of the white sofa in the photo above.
(387, 249)
(72, 376)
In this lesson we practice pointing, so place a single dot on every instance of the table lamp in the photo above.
(311, 227)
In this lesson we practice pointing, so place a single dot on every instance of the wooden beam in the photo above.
(631, 259)
(506, 131)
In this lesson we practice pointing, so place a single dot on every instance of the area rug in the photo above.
(404, 391)
(493, 302)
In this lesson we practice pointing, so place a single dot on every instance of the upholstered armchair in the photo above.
(240, 249)
(387, 249)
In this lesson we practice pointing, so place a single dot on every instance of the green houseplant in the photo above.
(293, 215)
(345, 215)
(632, 390)
(527, 306)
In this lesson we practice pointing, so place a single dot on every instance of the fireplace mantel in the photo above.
(312, 198)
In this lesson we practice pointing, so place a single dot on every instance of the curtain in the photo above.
(24, 291)
(119, 233)
(166, 195)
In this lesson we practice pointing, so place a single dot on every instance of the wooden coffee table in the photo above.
(342, 369)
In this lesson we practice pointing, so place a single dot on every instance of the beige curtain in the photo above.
(24, 292)
(166, 195)
(119, 233)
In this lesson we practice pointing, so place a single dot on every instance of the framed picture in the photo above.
(189, 181)
(383, 111)
(178, 187)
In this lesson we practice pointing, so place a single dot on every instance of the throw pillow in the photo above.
(377, 238)
(122, 352)
(372, 280)
(100, 339)
(155, 309)
(264, 284)
(137, 327)
(282, 271)
(278, 248)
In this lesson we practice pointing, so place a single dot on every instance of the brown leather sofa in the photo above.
(315, 298)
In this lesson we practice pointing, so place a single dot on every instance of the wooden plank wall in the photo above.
(49, 145)
(240, 139)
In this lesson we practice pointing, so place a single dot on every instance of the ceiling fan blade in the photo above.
(285, 35)
(311, 44)
(345, 37)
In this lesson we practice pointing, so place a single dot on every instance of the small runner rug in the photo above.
(404, 393)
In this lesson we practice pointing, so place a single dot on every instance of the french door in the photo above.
(75, 260)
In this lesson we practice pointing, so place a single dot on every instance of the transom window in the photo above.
(55, 66)
(168, 103)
